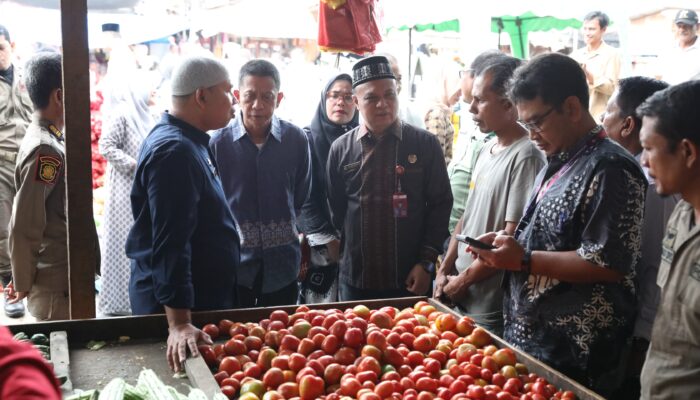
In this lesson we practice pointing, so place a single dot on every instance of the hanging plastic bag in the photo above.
(351, 26)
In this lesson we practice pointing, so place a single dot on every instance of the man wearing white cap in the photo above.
(183, 245)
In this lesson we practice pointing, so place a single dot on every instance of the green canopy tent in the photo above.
(518, 27)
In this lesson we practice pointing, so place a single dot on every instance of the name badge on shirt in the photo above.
(667, 254)
(400, 202)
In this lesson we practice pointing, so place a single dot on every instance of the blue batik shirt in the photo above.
(265, 188)
(183, 244)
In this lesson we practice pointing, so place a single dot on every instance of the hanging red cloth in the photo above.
(348, 25)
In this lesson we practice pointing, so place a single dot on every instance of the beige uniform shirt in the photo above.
(38, 247)
(672, 368)
(604, 64)
(15, 113)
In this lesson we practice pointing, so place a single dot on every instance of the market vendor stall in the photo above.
(134, 343)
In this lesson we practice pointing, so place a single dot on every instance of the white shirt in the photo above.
(681, 65)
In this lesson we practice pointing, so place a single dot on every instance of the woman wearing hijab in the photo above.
(126, 126)
(335, 115)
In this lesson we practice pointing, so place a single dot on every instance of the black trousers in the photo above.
(350, 293)
(254, 297)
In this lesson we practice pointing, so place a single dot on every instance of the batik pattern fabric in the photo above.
(379, 250)
(265, 188)
(595, 207)
(438, 121)
(120, 145)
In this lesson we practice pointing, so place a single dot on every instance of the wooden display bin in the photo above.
(146, 344)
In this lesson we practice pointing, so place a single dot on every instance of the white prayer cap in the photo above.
(195, 73)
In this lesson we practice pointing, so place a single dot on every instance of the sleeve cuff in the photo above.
(320, 238)
(176, 296)
(593, 253)
(429, 254)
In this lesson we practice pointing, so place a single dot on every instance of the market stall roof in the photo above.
(439, 15)
(23, 20)
(261, 19)
(519, 26)
(110, 5)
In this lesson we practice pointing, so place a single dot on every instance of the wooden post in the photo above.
(82, 254)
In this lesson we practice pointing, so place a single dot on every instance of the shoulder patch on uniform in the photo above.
(47, 169)
(695, 271)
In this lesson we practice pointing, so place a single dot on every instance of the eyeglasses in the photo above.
(535, 124)
(347, 97)
(465, 72)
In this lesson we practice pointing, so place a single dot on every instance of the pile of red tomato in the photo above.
(99, 164)
(417, 353)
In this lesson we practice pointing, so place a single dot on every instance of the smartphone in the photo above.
(474, 243)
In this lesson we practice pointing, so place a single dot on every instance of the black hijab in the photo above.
(322, 131)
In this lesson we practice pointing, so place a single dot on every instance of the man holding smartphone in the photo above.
(503, 176)
(569, 290)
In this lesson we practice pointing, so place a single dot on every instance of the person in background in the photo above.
(24, 374)
(443, 94)
(682, 62)
(265, 170)
(569, 282)
(502, 179)
(407, 110)
(599, 60)
(183, 247)
(622, 125)
(125, 128)
(15, 115)
(335, 115)
(460, 169)
(671, 142)
(388, 192)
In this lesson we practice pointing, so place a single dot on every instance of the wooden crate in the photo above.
(146, 346)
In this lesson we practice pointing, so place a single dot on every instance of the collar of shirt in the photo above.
(238, 130)
(565, 155)
(694, 46)
(8, 74)
(48, 126)
(602, 49)
(394, 129)
(188, 130)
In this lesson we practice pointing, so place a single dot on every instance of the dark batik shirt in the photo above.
(265, 189)
(379, 250)
(594, 207)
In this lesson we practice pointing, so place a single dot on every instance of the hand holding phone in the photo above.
(474, 243)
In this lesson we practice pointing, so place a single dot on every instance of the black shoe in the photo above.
(11, 310)
(15, 310)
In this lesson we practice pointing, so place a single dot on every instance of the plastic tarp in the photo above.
(261, 19)
(445, 26)
(110, 5)
(43, 25)
(419, 15)
(518, 27)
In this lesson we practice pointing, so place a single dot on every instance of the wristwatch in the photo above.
(526, 262)
(428, 267)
